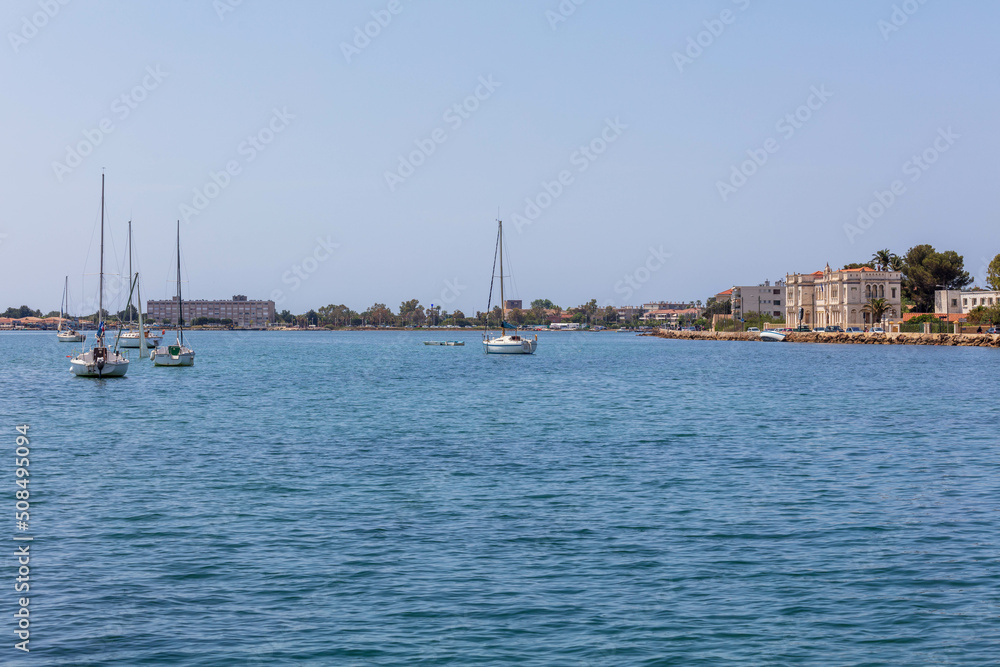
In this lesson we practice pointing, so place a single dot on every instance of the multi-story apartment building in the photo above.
(243, 312)
(766, 299)
(837, 298)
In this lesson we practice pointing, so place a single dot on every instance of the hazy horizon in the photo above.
(282, 136)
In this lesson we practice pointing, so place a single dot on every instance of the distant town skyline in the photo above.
(359, 153)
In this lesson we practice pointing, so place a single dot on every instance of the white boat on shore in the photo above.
(772, 336)
(449, 343)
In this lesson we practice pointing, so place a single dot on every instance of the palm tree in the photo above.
(895, 263)
(877, 308)
(882, 258)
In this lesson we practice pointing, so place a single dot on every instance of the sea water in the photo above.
(353, 498)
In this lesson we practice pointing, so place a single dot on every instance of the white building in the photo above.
(837, 298)
(765, 298)
(947, 302)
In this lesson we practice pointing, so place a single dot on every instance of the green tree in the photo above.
(877, 308)
(896, 263)
(858, 265)
(23, 311)
(993, 274)
(542, 303)
(926, 270)
(881, 258)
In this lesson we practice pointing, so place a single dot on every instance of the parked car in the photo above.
(835, 329)
(820, 330)
(878, 330)
(992, 330)
(753, 330)
(802, 329)
(854, 330)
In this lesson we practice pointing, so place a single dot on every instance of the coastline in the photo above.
(949, 339)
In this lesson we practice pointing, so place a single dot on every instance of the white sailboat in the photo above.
(505, 343)
(131, 337)
(99, 361)
(70, 335)
(179, 354)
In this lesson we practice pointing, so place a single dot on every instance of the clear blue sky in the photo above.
(555, 86)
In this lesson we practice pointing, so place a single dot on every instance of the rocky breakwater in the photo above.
(961, 340)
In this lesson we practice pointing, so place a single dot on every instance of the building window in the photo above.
(954, 303)
(893, 292)
(777, 303)
(881, 291)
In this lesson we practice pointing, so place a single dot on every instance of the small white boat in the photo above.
(769, 335)
(69, 335)
(444, 342)
(506, 343)
(130, 339)
(99, 361)
(179, 354)
(512, 344)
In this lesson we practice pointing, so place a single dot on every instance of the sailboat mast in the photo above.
(180, 307)
(100, 295)
(61, 311)
(502, 302)
(130, 265)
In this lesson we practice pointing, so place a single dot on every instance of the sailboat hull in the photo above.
(510, 345)
(130, 339)
(87, 365)
(71, 337)
(164, 356)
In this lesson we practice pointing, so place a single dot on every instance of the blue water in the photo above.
(363, 499)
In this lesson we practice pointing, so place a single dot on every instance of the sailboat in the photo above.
(179, 354)
(505, 343)
(70, 335)
(99, 361)
(131, 337)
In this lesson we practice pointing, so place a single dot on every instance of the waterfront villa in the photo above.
(837, 298)
(949, 302)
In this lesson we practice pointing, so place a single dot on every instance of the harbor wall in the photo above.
(961, 340)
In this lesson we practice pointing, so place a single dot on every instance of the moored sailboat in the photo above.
(179, 354)
(70, 335)
(130, 337)
(505, 343)
(100, 361)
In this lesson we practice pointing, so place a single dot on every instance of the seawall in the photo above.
(961, 340)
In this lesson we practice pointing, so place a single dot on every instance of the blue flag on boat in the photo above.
(100, 329)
